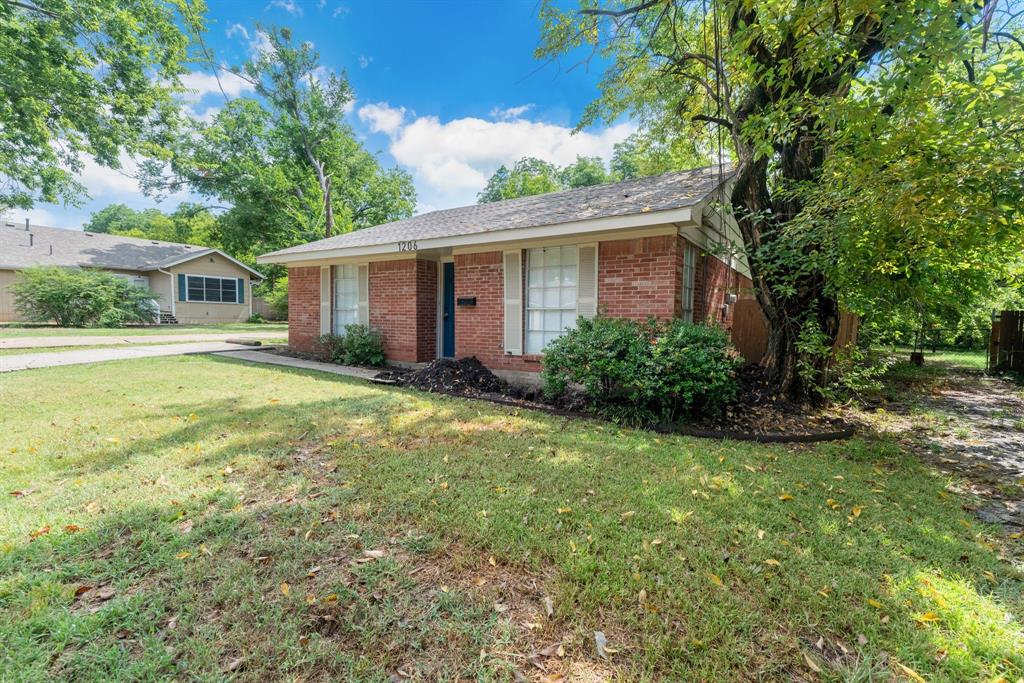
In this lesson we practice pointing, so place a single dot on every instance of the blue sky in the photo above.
(446, 90)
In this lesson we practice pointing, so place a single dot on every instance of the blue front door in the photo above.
(448, 310)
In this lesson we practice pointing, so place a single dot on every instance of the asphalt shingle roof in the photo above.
(43, 246)
(673, 190)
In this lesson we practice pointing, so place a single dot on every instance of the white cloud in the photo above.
(260, 43)
(451, 161)
(510, 113)
(365, 61)
(289, 6)
(202, 84)
(382, 118)
(237, 29)
(339, 11)
(36, 216)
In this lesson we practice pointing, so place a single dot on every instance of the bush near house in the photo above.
(644, 372)
(81, 297)
(360, 345)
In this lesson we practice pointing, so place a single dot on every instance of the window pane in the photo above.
(227, 291)
(535, 298)
(552, 257)
(212, 289)
(534, 342)
(567, 298)
(196, 292)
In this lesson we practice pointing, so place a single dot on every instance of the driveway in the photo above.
(29, 361)
(114, 340)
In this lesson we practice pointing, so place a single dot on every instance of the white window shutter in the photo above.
(363, 284)
(513, 267)
(586, 281)
(325, 299)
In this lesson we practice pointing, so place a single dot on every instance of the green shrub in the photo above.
(256, 318)
(277, 299)
(360, 345)
(74, 297)
(642, 373)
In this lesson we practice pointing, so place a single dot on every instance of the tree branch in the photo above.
(622, 12)
(32, 8)
(713, 119)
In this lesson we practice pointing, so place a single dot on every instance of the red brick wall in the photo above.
(303, 307)
(480, 329)
(713, 281)
(403, 306)
(637, 278)
(426, 310)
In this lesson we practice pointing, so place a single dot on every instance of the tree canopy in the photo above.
(187, 224)
(813, 103)
(88, 78)
(285, 168)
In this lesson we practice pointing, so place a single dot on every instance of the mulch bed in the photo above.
(754, 416)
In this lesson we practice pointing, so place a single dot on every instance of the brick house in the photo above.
(499, 281)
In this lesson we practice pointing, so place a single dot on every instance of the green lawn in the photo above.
(947, 358)
(202, 518)
(82, 347)
(8, 330)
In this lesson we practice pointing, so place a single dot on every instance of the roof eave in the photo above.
(190, 257)
(584, 227)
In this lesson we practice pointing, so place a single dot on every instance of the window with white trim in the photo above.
(550, 294)
(346, 297)
(211, 289)
(689, 271)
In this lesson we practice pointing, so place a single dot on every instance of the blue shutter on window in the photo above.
(241, 291)
(181, 288)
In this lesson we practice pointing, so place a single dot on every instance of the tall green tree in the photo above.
(187, 224)
(529, 176)
(775, 81)
(88, 77)
(285, 168)
(583, 172)
(643, 154)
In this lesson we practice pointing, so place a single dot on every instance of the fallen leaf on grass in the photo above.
(773, 563)
(785, 496)
(874, 603)
(856, 510)
(285, 588)
(72, 528)
(910, 673)
(185, 526)
(811, 664)
(549, 607)
(716, 579)
(41, 531)
(183, 555)
(926, 618)
(370, 556)
(234, 664)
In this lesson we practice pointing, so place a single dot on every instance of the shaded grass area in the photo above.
(215, 518)
(8, 330)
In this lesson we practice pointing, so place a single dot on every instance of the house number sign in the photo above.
(408, 246)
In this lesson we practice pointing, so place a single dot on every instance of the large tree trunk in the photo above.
(795, 372)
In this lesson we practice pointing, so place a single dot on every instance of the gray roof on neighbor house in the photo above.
(43, 246)
(675, 190)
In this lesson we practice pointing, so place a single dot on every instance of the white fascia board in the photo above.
(191, 257)
(497, 237)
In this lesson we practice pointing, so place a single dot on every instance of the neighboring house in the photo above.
(192, 284)
(500, 280)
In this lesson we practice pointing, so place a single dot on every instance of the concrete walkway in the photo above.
(274, 359)
(113, 340)
(28, 361)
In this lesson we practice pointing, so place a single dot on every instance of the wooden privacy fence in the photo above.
(1006, 345)
(750, 332)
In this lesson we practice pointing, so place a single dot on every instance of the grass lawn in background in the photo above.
(946, 358)
(205, 518)
(83, 347)
(10, 330)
